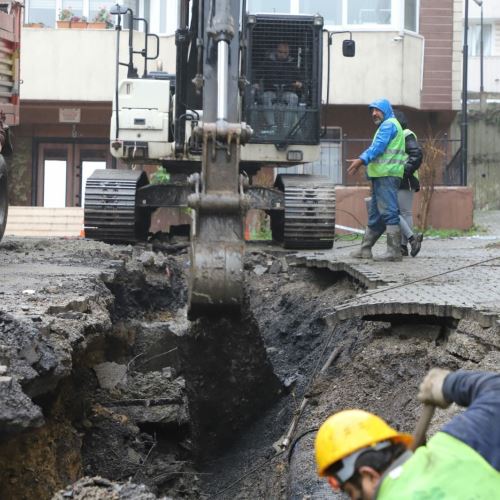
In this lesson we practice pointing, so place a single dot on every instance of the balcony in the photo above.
(79, 65)
(386, 64)
(491, 74)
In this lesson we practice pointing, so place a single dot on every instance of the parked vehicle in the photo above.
(10, 36)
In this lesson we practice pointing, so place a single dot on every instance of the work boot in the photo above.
(415, 243)
(365, 250)
(404, 250)
(393, 252)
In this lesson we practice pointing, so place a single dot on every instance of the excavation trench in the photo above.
(192, 410)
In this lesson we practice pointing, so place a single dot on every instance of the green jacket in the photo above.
(444, 469)
(392, 161)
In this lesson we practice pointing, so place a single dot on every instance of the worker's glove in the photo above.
(431, 388)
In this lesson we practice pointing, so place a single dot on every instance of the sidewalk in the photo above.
(490, 220)
(456, 278)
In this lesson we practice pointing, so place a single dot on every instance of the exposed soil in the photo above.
(105, 377)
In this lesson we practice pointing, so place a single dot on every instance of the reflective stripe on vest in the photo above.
(445, 469)
(392, 161)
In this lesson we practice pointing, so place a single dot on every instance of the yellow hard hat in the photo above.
(348, 431)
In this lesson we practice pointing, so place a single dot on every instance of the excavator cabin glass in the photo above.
(283, 67)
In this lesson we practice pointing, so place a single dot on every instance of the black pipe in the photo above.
(144, 51)
(181, 83)
(118, 29)
(464, 124)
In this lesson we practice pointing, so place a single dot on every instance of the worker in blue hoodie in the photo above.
(384, 161)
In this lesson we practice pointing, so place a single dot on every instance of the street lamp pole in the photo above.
(464, 124)
(481, 57)
(481, 48)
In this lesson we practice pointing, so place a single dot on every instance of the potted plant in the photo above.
(64, 18)
(102, 20)
(79, 22)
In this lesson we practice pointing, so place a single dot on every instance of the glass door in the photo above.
(53, 166)
(63, 170)
(54, 183)
(90, 158)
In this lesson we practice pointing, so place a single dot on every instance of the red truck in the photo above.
(10, 37)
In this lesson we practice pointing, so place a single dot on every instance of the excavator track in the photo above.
(309, 216)
(111, 213)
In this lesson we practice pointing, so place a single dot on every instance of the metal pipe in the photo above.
(481, 86)
(131, 73)
(182, 14)
(222, 79)
(146, 36)
(181, 44)
(481, 62)
(464, 124)
(117, 76)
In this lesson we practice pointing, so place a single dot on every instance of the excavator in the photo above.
(213, 125)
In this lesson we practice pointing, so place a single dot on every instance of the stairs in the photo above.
(41, 221)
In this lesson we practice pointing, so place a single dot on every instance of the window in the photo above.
(369, 12)
(411, 15)
(475, 39)
(352, 14)
(331, 11)
(155, 11)
(47, 11)
(269, 6)
(42, 11)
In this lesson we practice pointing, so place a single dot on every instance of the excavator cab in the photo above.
(283, 66)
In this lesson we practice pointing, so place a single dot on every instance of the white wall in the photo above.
(77, 65)
(386, 65)
(491, 9)
(491, 75)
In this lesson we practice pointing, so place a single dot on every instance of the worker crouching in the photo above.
(360, 454)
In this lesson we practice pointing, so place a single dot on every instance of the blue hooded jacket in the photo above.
(386, 132)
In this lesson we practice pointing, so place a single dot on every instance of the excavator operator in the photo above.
(360, 454)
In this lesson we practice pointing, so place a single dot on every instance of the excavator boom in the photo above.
(219, 203)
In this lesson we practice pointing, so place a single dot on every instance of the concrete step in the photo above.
(41, 221)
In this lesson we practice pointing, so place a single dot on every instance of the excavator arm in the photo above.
(219, 203)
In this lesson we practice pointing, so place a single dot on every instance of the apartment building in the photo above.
(408, 51)
(490, 29)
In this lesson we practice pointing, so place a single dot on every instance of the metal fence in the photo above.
(335, 153)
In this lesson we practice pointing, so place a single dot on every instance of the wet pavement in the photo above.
(451, 278)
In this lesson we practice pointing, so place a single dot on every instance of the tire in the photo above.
(4, 196)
